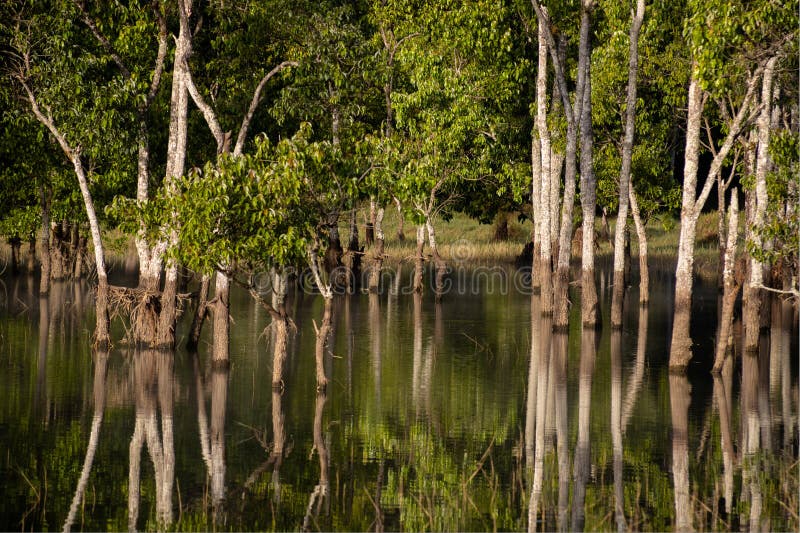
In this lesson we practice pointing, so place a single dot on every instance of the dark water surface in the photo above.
(464, 415)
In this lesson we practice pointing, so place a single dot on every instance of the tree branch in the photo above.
(102, 38)
(205, 109)
(240, 139)
(733, 133)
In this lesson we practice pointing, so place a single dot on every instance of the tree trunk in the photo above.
(441, 266)
(401, 236)
(681, 347)
(536, 206)
(222, 306)
(369, 228)
(730, 287)
(281, 324)
(589, 305)
(322, 341)
(625, 172)
(641, 237)
(16, 246)
(200, 313)
(30, 259)
(176, 161)
(418, 259)
(44, 280)
(545, 248)
(377, 260)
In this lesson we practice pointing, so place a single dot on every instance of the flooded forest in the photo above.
(399, 265)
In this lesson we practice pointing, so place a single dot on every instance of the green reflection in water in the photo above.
(433, 420)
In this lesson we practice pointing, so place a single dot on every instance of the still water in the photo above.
(464, 415)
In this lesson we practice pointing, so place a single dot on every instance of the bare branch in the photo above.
(240, 139)
(733, 133)
(205, 109)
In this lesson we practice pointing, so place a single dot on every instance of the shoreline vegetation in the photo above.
(463, 240)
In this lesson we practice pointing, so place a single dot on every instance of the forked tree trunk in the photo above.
(641, 237)
(419, 259)
(730, 287)
(625, 173)
(680, 348)
(377, 259)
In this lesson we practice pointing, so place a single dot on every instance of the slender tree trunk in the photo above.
(418, 259)
(401, 236)
(176, 160)
(30, 259)
(16, 245)
(589, 305)
(625, 173)
(641, 237)
(45, 195)
(681, 347)
(322, 342)
(730, 287)
(753, 291)
(377, 260)
(369, 228)
(536, 206)
(281, 324)
(439, 263)
(545, 256)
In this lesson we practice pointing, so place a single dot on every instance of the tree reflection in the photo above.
(319, 496)
(542, 385)
(99, 393)
(153, 384)
(582, 463)
(616, 427)
(679, 397)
